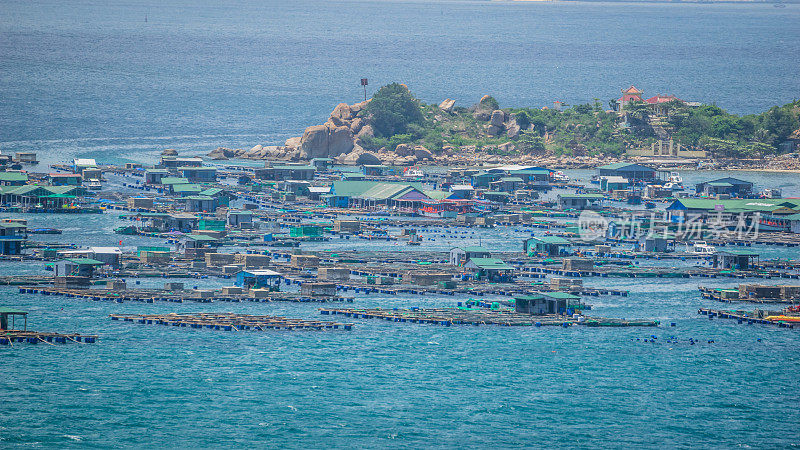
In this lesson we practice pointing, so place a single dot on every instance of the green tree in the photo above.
(392, 109)
(780, 122)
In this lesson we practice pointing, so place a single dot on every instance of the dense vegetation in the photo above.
(398, 117)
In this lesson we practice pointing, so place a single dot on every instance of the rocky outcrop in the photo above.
(221, 154)
(326, 141)
(447, 105)
(367, 158)
(422, 153)
(169, 152)
(484, 109)
(497, 118)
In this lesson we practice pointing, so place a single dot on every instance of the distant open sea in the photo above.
(93, 78)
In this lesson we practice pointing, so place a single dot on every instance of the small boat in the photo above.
(415, 240)
(94, 185)
(770, 193)
(702, 248)
(559, 177)
(413, 172)
(44, 231)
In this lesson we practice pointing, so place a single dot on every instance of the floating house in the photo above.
(545, 303)
(154, 176)
(579, 201)
(6, 313)
(629, 171)
(65, 179)
(459, 256)
(549, 245)
(735, 259)
(491, 269)
(12, 235)
(733, 187)
(13, 178)
(200, 203)
(239, 219)
(286, 172)
(198, 174)
(76, 267)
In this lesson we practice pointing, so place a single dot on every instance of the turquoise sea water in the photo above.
(397, 385)
(91, 78)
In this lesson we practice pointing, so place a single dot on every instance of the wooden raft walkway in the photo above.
(461, 316)
(154, 295)
(714, 294)
(230, 321)
(743, 317)
(8, 337)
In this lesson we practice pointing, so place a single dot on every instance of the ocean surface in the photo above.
(94, 79)
(124, 79)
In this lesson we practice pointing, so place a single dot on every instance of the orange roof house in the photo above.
(631, 95)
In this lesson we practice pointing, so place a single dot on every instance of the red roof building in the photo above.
(631, 95)
(662, 99)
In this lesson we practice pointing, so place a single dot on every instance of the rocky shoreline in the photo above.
(341, 139)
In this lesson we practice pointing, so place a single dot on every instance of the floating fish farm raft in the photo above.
(9, 337)
(231, 322)
(154, 295)
(785, 319)
(470, 316)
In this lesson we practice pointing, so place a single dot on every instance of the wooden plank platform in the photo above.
(231, 322)
(470, 316)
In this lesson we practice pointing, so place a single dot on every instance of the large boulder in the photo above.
(326, 141)
(404, 150)
(221, 154)
(366, 159)
(497, 118)
(447, 105)
(512, 131)
(169, 152)
(340, 140)
(256, 152)
(357, 124)
(365, 131)
(507, 147)
(342, 111)
(493, 130)
(422, 153)
(358, 107)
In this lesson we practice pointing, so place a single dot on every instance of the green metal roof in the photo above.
(550, 240)
(199, 198)
(561, 295)
(174, 180)
(475, 250)
(7, 310)
(201, 237)
(187, 188)
(211, 191)
(13, 176)
(490, 264)
(88, 261)
(719, 184)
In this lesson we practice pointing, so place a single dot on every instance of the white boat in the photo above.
(413, 172)
(94, 185)
(559, 177)
(674, 182)
(702, 248)
(770, 193)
